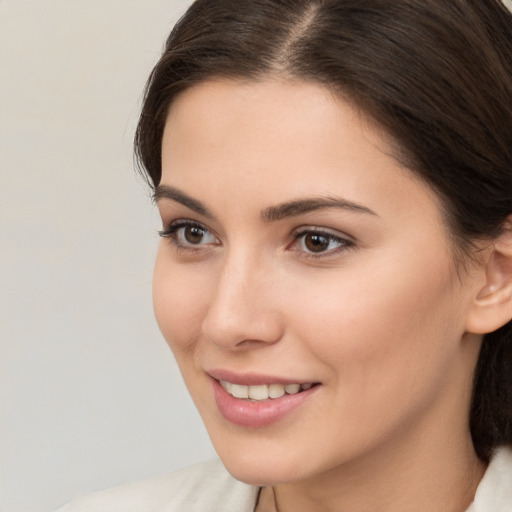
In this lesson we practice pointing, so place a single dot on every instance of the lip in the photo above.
(252, 379)
(258, 414)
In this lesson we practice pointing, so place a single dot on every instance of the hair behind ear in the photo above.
(491, 412)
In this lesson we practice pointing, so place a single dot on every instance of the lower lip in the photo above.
(258, 414)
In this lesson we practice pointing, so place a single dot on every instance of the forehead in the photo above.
(257, 120)
(275, 100)
(294, 131)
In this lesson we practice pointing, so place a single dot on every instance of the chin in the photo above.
(252, 473)
(262, 468)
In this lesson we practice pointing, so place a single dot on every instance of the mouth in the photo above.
(263, 392)
(255, 404)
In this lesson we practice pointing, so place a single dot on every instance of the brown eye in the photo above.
(193, 234)
(187, 234)
(315, 242)
(320, 243)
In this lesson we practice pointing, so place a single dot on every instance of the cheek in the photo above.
(375, 326)
(388, 346)
(180, 301)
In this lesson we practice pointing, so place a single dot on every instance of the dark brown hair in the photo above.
(435, 74)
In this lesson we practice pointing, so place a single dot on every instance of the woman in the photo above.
(334, 179)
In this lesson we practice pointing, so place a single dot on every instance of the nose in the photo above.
(243, 311)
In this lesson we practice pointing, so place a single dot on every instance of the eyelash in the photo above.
(345, 244)
(171, 232)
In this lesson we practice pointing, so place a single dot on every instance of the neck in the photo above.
(418, 476)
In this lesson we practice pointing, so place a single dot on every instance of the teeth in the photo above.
(239, 391)
(276, 391)
(226, 385)
(291, 389)
(258, 392)
(263, 392)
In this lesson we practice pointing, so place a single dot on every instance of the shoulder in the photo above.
(495, 490)
(203, 487)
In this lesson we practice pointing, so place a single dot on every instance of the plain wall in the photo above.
(90, 394)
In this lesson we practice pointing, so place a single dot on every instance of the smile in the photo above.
(263, 392)
(260, 405)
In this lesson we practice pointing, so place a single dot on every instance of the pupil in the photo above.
(316, 243)
(193, 234)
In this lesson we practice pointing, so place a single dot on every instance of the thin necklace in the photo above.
(275, 500)
(258, 501)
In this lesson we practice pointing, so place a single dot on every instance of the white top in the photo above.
(205, 487)
(494, 494)
(208, 487)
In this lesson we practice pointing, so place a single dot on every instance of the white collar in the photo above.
(494, 493)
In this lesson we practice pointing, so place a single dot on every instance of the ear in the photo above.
(492, 305)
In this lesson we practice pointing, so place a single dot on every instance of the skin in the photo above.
(379, 318)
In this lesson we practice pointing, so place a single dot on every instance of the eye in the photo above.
(194, 235)
(187, 234)
(316, 243)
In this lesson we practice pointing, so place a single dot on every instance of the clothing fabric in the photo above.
(208, 487)
(494, 494)
(205, 487)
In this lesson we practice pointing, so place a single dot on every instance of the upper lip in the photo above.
(254, 379)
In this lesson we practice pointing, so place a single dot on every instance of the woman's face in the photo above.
(298, 252)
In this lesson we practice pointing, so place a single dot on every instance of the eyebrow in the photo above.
(271, 214)
(174, 194)
(301, 206)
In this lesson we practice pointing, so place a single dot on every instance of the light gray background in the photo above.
(90, 395)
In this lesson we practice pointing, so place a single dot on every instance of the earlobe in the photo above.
(492, 306)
